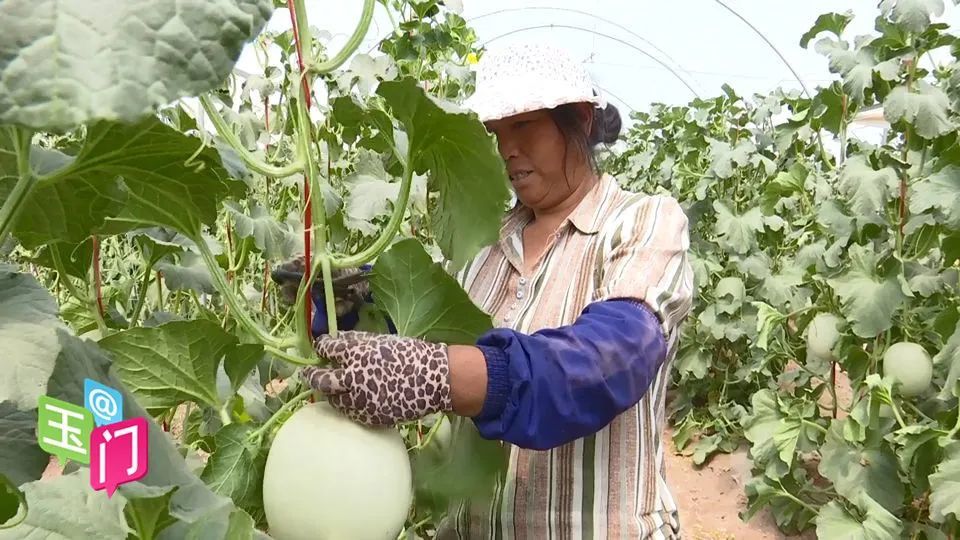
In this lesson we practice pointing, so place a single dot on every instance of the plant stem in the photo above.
(280, 353)
(301, 35)
(24, 186)
(816, 426)
(236, 307)
(276, 416)
(142, 296)
(795, 499)
(248, 159)
(358, 34)
(97, 281)
(225, 414)
(399, 209)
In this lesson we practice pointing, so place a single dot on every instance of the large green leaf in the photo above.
(737, 233)
(869, 300)
(927, 108)
(272, 237)
(464, 166)
(948, 360)
(941, 192)
(164, 182)
(856, 66)
(67, 508)
(28, 338)
(21, 459)
(70, 62)
(914, 15)
(945, 487)
(874, 523)
(828, 22)
(776, 432)
(868, 190)
(235, 469)
(174, 362)
(870, 467)
(190, 274)
(422, 299)
(725, 159)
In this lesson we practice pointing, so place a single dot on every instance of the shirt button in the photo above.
(523, 281)
(519, 294)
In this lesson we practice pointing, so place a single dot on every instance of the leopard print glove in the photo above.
(382, 379)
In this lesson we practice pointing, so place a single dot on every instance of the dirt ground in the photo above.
(712, 498)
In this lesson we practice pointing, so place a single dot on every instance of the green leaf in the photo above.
(868, 190)
(369, 198)
(730, 294)
(694, 361)
(918, 444)
(927, 109)
(869, 301)
(872, 522)
(137, 175)
(190, 274)
(737, 233)
(770, 433)
(11, 502)
(855, 468)
(464, 166)
(913, 15)
(21, 458)
(948, 360)
(724, 159)
(172, 363)
(28, 338)
(274, 239)
(465, 468)
(235, 469)
(940, 192)
(831, 216)
(422, 299)
(67, 508)
(70, 66)
(148, 509)
(855, 66)
(828, 22)
(945, 487)
(768, 319)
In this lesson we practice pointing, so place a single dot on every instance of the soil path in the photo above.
(712, 497)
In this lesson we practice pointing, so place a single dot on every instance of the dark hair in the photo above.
(605, 129)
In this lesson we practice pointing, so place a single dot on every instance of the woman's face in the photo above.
(533, 148)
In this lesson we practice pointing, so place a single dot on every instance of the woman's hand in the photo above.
(383, 379)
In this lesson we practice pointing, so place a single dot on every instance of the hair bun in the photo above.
(607, 124)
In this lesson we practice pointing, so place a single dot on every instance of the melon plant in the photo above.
(847, 250)
(141, 214)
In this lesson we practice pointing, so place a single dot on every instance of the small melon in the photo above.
(910, 365)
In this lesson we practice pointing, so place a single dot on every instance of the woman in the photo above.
(587, 287)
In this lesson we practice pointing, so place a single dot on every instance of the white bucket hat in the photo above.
(528, 77)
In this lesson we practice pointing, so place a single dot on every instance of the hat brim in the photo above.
(493, 106)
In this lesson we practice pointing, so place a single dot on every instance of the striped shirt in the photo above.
(615, 244)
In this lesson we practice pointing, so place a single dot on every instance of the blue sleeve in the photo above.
(558, 385)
